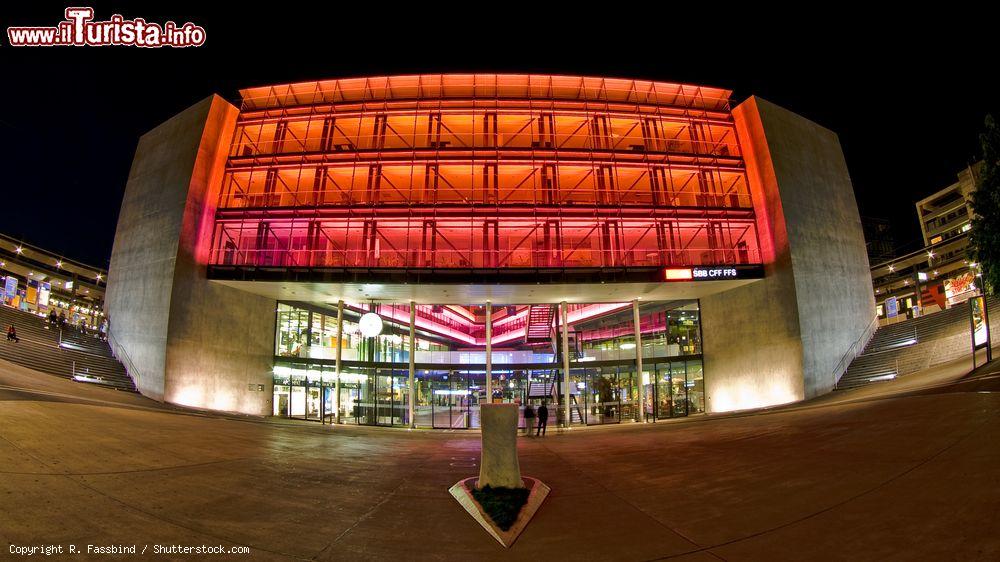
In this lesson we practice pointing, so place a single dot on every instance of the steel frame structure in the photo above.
(484, 172)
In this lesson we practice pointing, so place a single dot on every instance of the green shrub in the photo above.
(502, 504)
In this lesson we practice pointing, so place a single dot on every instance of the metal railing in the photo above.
(417, 258)
(122, 356)
(855, 350)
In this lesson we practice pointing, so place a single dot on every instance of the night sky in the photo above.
(907, 100)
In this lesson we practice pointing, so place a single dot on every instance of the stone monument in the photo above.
(499, 468)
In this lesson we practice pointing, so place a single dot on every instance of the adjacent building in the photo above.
(398, 250)
(941, 270)
(33, 279)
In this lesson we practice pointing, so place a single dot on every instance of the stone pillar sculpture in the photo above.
(499, 466)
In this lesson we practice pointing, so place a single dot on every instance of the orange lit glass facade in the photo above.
(484, 172)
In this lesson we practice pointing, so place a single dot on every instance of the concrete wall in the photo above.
(781, 339)
(140, 279)
(190, 341)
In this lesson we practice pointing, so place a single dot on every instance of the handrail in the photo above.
(126, 361)
(855, 349)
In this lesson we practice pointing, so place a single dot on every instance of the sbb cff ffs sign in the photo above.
(715, 273)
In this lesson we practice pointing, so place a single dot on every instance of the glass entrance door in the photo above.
(663, 395)
(391, 394)
(313, 405)
(604, 400)
(451, 400)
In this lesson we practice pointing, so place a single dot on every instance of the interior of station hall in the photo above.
(449, 354)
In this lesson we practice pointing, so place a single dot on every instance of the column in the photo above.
(413, 353)
(565, 357)
(340, 344)
(489, 352)
(641, 394)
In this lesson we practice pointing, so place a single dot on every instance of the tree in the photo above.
(985, 235)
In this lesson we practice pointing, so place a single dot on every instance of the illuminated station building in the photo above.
(399, 250)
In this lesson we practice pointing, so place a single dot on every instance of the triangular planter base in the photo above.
(462, 491)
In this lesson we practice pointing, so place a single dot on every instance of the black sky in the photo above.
(906, 99)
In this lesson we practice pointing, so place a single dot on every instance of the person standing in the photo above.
(543, 419)
(529, 418)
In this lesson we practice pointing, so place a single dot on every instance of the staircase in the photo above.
(915, 344)
(539, 326)
(67, 352)
(541, 390)
(548, 391)
(575, 417)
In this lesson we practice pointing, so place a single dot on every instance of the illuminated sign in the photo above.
(891, 307)
(712, 273)
(960, 288)
(10, 287)
(721, 272)
(44, 291)
(678, 274)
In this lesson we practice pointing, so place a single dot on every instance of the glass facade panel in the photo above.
(450, 371)
(533, 175)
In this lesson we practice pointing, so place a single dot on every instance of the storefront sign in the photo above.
(957, 289)
(44, 290)
(32, 295)
(712, 273)
(10, 288)
(980, 324)
(715, 273)
(891, 307)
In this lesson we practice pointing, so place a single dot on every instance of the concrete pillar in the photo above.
(489, 352)
(641, 393)
(565, 357)
(413, 353)
(340, 344)
(499, 466)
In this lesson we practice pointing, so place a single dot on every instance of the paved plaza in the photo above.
(903, 473)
